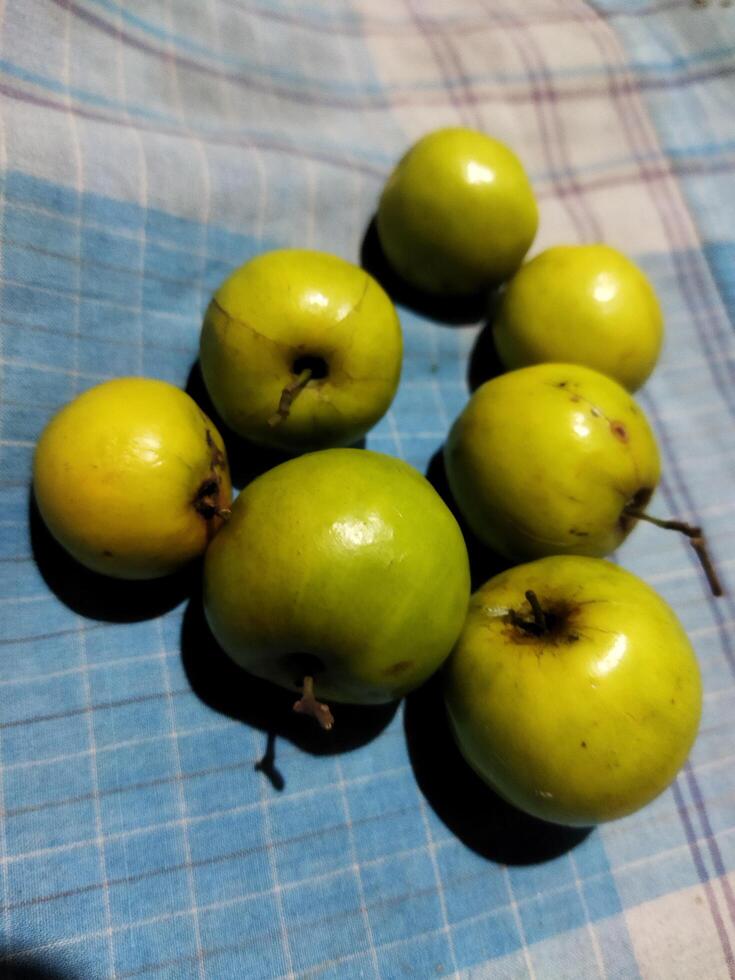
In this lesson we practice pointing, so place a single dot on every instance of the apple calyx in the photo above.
(206, 501)
(695, 535)
(207, 498)
(309, 705)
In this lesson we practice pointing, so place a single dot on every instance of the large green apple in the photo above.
(343, 565)
(573, 690)
(457, 214)
(549, 459)
(301, 350)
(581, 304)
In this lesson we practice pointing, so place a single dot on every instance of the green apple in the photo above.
(131, 478)
(458, 214)
(344, 566)
(581, 304)
(573, 690)
(301, 350)
(548, 460)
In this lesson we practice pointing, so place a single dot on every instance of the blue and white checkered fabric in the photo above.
(148, 147)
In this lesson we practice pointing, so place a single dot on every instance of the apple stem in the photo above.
(696, 537)
(540, 624)
(287, 396)
(309, 705)
(538, 613)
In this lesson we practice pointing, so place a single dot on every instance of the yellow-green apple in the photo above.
(573, 690)
(581, 304)
(301, 350)
(551, 459)
(343, 566)
(131, 478)
(457, 214)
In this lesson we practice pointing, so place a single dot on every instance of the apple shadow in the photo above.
(230, 690)
(484, 563)
(246, 459)
(484, 361)
(15, 965)
(451, 310)
(98, 596)
(475, 814)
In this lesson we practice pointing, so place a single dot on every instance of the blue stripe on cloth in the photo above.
(721, 258)
(137, 837)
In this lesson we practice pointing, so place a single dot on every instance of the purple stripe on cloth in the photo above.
(630, 112)
(382, 102)
(552, 135)
(461, 100)
(705, 879)
(662, 171)
(249, 143)
(715, 605)
(365, 26)
(674, 220)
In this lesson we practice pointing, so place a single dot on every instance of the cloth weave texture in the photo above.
(146, 149)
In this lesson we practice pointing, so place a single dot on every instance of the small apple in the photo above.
(551, 459)
(341, 569)
(457, 215)
(131, 478)
(573, 690)
(581, 304)
(301, 350)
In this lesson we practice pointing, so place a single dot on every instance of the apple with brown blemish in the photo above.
(301, 350)
(341, 574)
(573, 690)
(555, 459)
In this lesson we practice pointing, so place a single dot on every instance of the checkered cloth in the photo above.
(146, 149)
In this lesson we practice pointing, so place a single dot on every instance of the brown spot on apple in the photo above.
(619, 431)
(398, 668)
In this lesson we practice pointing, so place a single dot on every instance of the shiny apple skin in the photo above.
(589, 723)
(286, 305)
(458, 214)
(347, 556)
(543, 460)
(582, 304)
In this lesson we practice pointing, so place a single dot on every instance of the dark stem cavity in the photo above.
(696, 537)
(304, 369)
(540, 624)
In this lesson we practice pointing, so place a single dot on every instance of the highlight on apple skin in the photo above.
(344, 566)
(581, 304)
(131, 478)
(573, 690)
(457, 214)
(301, 350)
(551, 459)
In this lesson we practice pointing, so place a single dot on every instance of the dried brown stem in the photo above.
(288, 394)
(696, 537)
(309, 705)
